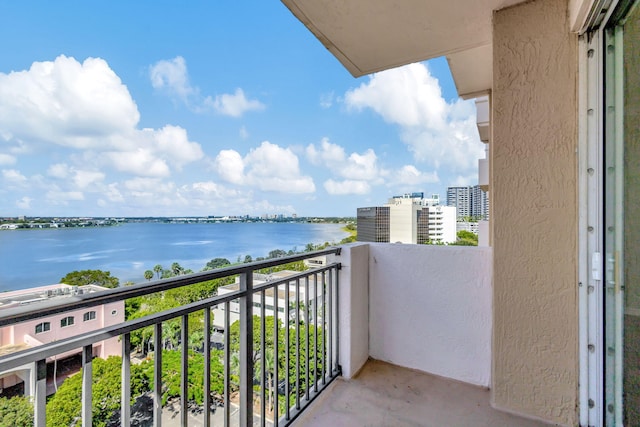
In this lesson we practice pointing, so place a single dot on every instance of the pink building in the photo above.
(53, 328)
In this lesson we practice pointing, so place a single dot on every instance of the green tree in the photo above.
(248, 259)
(276, 253)
(466, 238)
(177, 269)
(16, 412)
(148, 274)
(217, 263)
(91, 277)
(63, 408)
(158, 270)
(269, 371)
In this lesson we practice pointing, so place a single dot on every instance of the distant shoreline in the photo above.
(31, 223)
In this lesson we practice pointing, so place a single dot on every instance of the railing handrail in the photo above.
(13, 315)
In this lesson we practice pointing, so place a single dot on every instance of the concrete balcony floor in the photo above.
(387, 395)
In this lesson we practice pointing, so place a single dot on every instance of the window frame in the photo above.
(67, 321)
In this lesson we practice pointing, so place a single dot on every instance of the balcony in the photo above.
(405, 330)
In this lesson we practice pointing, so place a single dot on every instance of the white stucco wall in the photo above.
(353, 310)
(430, 309)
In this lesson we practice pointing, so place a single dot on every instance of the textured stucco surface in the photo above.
(430, 309)
(632, 218)
(535, 362)
(632, 160)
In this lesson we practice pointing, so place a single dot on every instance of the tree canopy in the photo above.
(466, 238)
(16, 412)
(217, 263)
(91, 277)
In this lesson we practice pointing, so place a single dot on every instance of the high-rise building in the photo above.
(373, 224)
(460, 197)
(409, 218)
(470, 201)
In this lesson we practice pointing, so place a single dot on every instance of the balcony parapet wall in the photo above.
(427, 308)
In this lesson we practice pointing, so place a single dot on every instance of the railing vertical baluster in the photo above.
(287, 387)
(274, 385)
(87, 385)
(157, 375)
(263, 361)
(315, 331)
(337, 273)
(307, 311)
(125, 395)
(323, 337)
(330, 319)
(40, 393)
(184, 371)
(206, 347)
(227, 366)
(298, 343)
(246, 349)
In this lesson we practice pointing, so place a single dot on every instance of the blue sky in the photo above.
(170, 108)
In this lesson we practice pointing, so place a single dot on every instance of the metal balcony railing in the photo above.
(297, 362)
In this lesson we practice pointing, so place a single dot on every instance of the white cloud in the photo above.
(84, 179)
(7, 159)
(327, 154)
(354, 167)
(59, 170)
(268, 167)
(346, 187)
(326, 100)
(361, 166)
(140, 162)
(65, 102)
(113, 193)
(410, 176)
(172, 142)
(438, 133)
(230, 166)
(172, 77)
(146, 185)
(234, 105)
(205, 191)
(464, 180)
(358, 171)
(14, 176)
(24, 203)
(86, 107)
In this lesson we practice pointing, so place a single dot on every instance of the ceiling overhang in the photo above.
(368, 36)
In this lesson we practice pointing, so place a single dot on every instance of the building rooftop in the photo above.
(44, 293)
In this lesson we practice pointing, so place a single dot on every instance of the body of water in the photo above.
(30, 258)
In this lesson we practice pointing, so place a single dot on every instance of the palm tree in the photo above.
(158, 270)
(148, 274)
(176, 269)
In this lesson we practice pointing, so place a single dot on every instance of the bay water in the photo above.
(37, 257)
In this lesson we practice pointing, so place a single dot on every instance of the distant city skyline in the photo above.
(121, 109)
